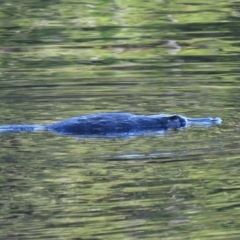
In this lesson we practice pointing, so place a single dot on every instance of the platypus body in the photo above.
(114, 124)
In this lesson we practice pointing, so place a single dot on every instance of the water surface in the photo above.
(60, 59)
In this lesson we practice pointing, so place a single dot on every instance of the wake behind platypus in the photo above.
(114, 124)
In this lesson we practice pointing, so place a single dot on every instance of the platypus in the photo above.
(114, 124)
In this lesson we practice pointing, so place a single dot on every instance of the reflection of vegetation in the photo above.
(62, 58)
(75, 191)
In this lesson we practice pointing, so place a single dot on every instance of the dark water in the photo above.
(60, 59)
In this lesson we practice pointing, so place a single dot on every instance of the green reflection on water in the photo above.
(67, 58)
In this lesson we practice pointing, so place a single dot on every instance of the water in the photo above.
(60, 59)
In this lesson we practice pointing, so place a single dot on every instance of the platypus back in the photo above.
(117, 123)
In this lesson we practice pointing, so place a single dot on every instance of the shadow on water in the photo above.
(61, 59)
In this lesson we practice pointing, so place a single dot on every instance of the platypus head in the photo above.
(176, 121)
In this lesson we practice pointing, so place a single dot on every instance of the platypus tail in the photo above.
(22, 128)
